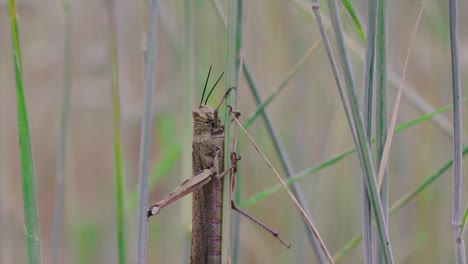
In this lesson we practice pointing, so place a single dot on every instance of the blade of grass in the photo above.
(31, 220)
(62, 151)
(118, 150)
(457, 134)
(366, 215)
(187, 133)
(388, 141)
(381, 107)
(352, 13)
(417, 100)
(301, 175)
(355, 122)
(284, 185)
(145, 143)
(233, 60)
(400, 203)
(465, 217)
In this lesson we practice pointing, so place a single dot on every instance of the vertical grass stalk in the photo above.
(234, 47)
(118, 150)
(62, 151)
(400, 203)
(189, 87)
(457, 134)
(381, 107)
(31, 219)
(366, 217)
(355, 122)
(145, 143)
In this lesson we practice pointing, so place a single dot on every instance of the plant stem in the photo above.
(457, 135)
(145, 143)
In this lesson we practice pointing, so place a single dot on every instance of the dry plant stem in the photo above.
(388, 142)
(460, 254)
(296, 203)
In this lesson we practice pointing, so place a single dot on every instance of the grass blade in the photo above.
(400, 203)
(381, 108)
(355, 122)
(386, 150)
(234, 61)
(150, 62)
(31, 219)
(118, 151)
(61, 163)
(265, 193)
(352, 13)
(457, 134)
(187, 133)
(465, 217)
(366, 217)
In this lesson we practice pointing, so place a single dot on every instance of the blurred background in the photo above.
(307, 115)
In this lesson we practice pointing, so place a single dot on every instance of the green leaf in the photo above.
(357, 24)
(31, 220)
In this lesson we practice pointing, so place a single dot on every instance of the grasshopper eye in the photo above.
(199, 116)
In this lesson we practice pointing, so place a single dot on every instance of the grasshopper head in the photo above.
(203, 114)
(206, 122)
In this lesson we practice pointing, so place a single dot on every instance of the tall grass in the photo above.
(234, 59)
(460, 254)
(62, 152)
(145, 143)
(303, 128)
(355, 123)
(189, 102)
(118, 149)
(366, 217)
(31, 220)
(381, 107)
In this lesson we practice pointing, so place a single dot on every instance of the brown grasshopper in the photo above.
(206, 183)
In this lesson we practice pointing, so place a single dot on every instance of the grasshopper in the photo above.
(206, 183)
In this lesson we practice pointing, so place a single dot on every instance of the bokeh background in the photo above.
(307, 114)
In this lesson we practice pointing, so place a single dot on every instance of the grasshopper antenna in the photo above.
(204, 88)
(213, 87)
